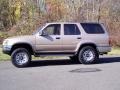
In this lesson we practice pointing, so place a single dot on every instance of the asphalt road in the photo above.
(62, 75)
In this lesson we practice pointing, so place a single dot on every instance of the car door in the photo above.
(71, 37)
(50, 42)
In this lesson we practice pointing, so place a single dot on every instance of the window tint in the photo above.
(71, 29)
(92, 28)
(53, 29)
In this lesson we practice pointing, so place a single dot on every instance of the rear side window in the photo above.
(92, 28)
(71, 29)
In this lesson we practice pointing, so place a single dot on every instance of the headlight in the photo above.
(5, 42)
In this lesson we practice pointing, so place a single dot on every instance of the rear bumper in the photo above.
(104, 49)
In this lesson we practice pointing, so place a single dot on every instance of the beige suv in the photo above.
(82, 42)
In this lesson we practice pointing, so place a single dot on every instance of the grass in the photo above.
(4, 57)
(115, 51)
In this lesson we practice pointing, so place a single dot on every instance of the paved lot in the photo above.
(62, 75)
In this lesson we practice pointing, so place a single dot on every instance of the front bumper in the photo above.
(6, 49)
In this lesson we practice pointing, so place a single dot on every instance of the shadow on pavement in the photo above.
(103, 60)
(37, 63)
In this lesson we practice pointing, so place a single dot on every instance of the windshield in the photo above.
(38, 29)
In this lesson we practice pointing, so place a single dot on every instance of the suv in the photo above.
(82, 42)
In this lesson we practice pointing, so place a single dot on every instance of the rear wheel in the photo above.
(88, 55)
(20, 57)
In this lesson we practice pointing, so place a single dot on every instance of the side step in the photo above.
(54, 54)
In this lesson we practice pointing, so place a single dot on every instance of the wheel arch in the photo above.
(87, 44)
(23, 45)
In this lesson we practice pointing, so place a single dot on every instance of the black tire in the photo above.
(88, 55)
(18, 59)
(74, 59)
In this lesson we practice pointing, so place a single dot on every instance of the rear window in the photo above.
(92, 28)
(71, 29)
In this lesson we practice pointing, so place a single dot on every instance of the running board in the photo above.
(54, 54)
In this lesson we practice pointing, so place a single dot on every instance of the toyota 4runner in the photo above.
(82, 42)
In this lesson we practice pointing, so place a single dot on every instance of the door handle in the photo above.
(79, 38)
(57, 37)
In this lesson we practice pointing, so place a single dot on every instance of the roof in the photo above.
(74, 22)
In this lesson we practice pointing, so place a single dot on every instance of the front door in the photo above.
(51, 42)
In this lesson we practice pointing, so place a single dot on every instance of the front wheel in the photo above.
(20, 57)
(88, 55)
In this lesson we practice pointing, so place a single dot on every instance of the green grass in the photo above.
(115, 51)
(4, 57)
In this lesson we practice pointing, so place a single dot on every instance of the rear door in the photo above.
(71, 37)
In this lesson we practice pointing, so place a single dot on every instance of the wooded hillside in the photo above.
(24, 16)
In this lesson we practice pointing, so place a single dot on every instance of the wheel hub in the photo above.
(88, 55)
(21, 58)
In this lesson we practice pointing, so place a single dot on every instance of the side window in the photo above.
(92, 28)
(71, 29)
(53, 29)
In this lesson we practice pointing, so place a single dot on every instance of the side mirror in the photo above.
(43, 33)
